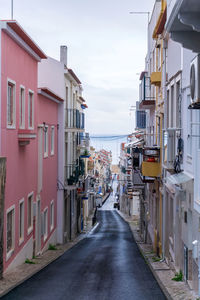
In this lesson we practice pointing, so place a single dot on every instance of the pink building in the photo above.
(28, 139)
(46, 202)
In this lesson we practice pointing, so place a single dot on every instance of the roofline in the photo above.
(46, 92)
(81, 98)
(71, 72)
(13, 25)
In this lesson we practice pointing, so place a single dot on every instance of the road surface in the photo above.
(106, 265)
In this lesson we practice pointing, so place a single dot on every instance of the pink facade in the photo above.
(22, 110)
(48, 117)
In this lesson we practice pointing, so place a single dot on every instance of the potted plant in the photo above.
(85, 154)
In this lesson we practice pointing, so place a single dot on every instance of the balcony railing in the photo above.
(74, 119)
(83, 140)
(151, 166)
(156, 78)
(71, 174)
(170, 146)
(74, 171)
(145, 94)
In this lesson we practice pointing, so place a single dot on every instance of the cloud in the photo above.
(106, 45)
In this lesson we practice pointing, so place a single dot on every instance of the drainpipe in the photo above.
(165, 126)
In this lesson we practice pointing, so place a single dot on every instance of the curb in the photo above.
(162, 286)
(77, 240)
(105, 198)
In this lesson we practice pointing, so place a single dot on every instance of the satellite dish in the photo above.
(192, 82)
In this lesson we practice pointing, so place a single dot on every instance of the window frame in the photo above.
(30, 228)
(13, 124)
(52, 151)
(30, 92)
(52, 214)
(45, 234)
(46, 138)
(10, 252)
(22, 105)
(21, 239)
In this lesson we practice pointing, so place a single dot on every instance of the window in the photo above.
(11, 104)
(52, 139)
(45, 224)
(21, 221)
(185, 216)
(22, 107)
(10, 231)
(52, 215)
(30, 110)
(45, 141)
(30, 212)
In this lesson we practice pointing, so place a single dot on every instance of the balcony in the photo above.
(161, 20)
(171, 142)
(74, 119)
(146, 101)
(151, 169)
(183, 23)
(71, 174)
(156, 78)
(151, 166)
(83, 140)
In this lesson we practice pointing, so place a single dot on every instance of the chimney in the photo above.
(63, 55)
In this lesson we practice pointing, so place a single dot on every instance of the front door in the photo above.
(185, 263)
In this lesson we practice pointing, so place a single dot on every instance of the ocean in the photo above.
(110, 143)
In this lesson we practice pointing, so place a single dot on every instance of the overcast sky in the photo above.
(106, 49)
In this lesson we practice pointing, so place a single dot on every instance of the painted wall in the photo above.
(48, 113)
(173, 58)
(21, 161)
(51, 74)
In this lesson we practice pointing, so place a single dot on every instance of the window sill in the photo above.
(11, 127)
(21, 241)
(25, 136)
(9, 254)
(30, 229)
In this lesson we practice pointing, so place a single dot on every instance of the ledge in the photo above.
(24, 136)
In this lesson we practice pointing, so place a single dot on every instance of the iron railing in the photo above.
(73, 172)
(74, 119)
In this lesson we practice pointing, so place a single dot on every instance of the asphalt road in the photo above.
(107, 265)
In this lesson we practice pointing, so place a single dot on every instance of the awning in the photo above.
(178, 179)
(174, 182)
(135, 143)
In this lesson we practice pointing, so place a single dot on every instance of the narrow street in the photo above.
(106, 265)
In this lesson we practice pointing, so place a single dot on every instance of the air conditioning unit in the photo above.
(195, 82)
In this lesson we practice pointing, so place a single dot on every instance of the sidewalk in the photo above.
(161, 271)
(25, 271)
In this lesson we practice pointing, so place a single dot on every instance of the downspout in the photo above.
(165, 126)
